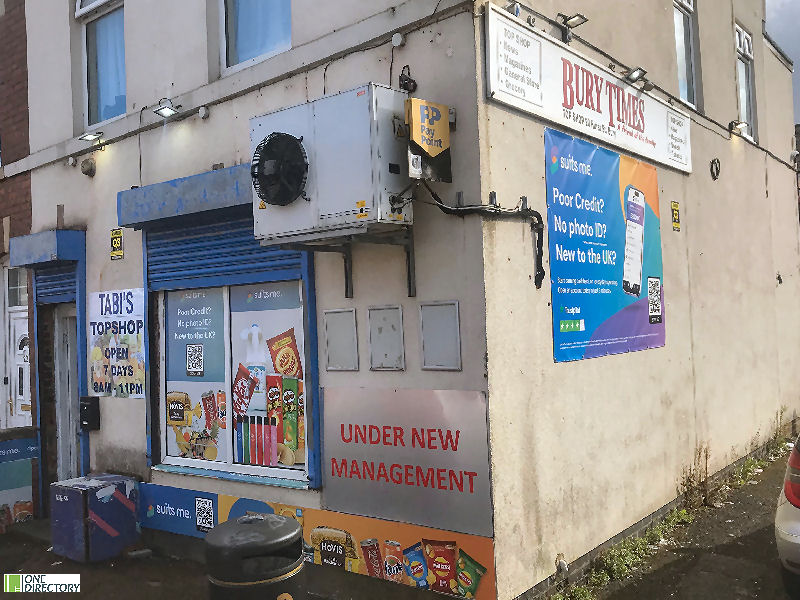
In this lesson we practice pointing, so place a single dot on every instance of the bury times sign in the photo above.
(536, 74)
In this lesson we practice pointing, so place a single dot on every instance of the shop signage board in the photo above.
(408, 455)
(18, 449)
(534, 73)
(116, 343)
(420, 557)
(605, 250)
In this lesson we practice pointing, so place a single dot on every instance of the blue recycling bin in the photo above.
(93, 518)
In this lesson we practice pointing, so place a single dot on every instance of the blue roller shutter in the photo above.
(223, 253)
(55, 284)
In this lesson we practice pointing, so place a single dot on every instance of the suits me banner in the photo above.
(605, 250)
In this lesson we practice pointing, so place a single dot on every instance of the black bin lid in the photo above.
(254, 548)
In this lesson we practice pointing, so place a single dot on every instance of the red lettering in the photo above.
(374, 435)
(368, 470)
(409, 472)
(598, 88)
(447, 440)
(417, 437)
(589, 90)
(382, 473)
(338, 470)
(641, 115)
(431, 438)
(349, 438)
(396, 473)
(361, 432)
(457, 479)
(626, 108)
(610, 87)
(426, 477)
(387, 435)
(471, 475)
(354, 472)
(398, 436)
(441, 479)
(580, 87)
(569, 93)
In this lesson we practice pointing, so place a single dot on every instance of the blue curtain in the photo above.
(105, 51)
(256, 27)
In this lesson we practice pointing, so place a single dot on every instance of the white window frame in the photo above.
(687, 8)
(225, 70)
(228, 467)
(86, 15)
(744, 51)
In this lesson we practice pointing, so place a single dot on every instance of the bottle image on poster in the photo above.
(634, 241)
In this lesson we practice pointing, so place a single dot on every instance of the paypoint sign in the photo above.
(429, 140)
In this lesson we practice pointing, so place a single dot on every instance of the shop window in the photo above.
(744, 80)
(233, 387)
(254, 30)
(17, 287)
(684, 46)
(104, 37)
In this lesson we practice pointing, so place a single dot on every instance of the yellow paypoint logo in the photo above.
(429, 124)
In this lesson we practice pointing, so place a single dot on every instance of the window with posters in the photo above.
(234, 377)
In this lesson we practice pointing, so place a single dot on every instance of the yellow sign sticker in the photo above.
(676, 216)
(429, 124)
(117, 249)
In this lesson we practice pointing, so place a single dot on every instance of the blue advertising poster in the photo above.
(177, 510)
(197, 394)
(605, 250)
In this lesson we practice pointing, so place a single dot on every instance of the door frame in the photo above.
(65, 325)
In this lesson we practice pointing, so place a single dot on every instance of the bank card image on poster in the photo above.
(196, 389)
(605, 250)
(267, 349)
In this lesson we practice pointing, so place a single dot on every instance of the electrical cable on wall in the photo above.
(492, 210)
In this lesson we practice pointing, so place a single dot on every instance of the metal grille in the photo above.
(220, 254)
(55, 284)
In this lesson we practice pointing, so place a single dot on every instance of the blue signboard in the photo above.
(18, 449)
(605, 250)
(177, 510)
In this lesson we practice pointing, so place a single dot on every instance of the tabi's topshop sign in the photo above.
(536, 74)
(408, 455)
(116, 343)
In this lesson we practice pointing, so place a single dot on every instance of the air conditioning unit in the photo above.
(330, 168)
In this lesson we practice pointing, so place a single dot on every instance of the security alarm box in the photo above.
(333, 167)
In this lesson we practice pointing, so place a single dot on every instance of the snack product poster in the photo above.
(267, 341)
(604, 231)
(463, 564)
(197, 393)
(116, 343)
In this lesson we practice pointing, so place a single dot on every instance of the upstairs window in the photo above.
(104, 37)
(17, 287)
(744, 80)
(255, 29)
(684, 46)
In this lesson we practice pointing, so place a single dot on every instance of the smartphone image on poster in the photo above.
(634, 241)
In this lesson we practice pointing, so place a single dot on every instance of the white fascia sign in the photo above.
(536, 74)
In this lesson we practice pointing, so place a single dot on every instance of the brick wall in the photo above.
(13, 82)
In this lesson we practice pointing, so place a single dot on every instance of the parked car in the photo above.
(787, 516)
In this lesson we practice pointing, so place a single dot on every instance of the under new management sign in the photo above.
(536, 74)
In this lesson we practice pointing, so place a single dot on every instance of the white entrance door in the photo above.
(67, 399)
(15, 361)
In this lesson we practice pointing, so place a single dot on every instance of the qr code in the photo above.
(194, 360)
(204, 511)
(654, 299)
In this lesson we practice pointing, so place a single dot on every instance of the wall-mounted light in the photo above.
(648, 85)
(574, 21)
(514, 8)
(166, 108)
(635, 74)
(737, 126)
(91, 136)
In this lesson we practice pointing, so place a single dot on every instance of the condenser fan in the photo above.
(279, 169)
